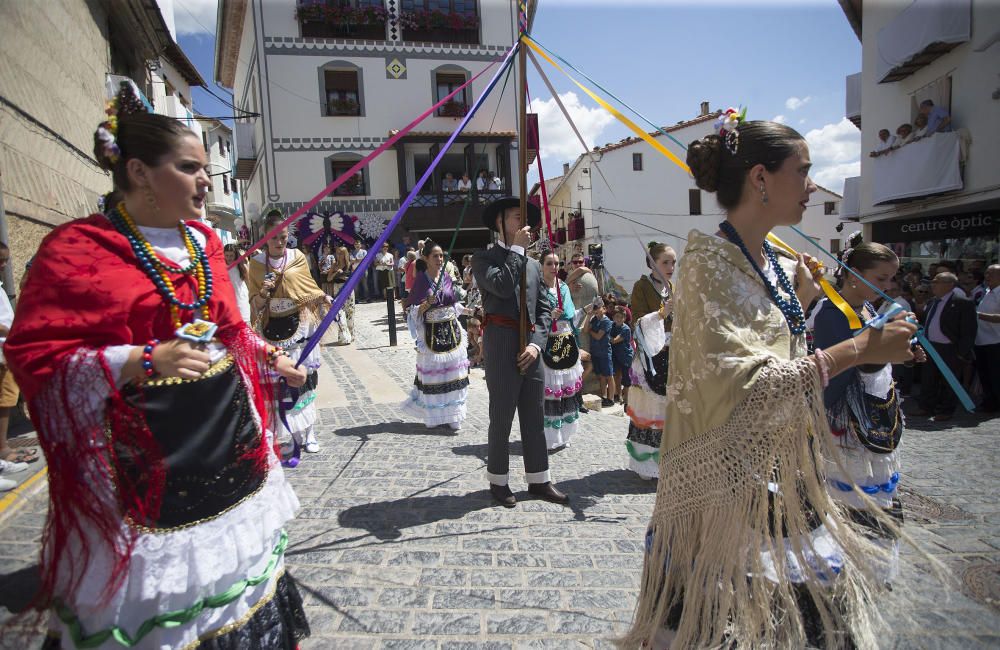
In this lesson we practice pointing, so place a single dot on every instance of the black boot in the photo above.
(503, 495)
(548, 492)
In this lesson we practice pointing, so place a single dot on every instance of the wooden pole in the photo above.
(522, 156)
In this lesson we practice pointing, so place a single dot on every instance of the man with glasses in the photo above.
(951, 323)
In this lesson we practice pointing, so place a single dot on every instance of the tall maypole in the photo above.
(522, 150)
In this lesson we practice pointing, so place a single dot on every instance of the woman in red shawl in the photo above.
(167, 502)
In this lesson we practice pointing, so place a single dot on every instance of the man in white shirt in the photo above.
(385, 266)
(988, 342)
(885, 142)
(357, 256)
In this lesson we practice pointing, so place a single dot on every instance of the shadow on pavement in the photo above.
(386, 519)
(480, 451)
(586, 491)
(19, 588)
(366, 431)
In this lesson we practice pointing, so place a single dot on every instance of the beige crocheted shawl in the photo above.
(745, 408)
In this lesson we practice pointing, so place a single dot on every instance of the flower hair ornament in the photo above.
(125, 102)
(727, 127)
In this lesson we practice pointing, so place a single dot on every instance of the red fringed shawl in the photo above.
(86, 291)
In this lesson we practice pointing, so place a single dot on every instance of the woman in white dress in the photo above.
(561, 361)
(441, 385)
(288, 308)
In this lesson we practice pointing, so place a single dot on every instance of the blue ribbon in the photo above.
(362, 268)
(949, 376)
(888, 487)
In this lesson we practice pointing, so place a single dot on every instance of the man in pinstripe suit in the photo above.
(514, 377)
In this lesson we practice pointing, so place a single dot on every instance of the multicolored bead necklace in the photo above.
(158, 271)
(791, 307)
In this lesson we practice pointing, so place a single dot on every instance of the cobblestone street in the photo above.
(398, 544)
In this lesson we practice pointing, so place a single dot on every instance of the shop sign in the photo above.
(970, 224)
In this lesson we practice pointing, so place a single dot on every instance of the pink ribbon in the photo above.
(361, 163)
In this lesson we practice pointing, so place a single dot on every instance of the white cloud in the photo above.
(195, 17)
(794, 103)
(802, 121)
(835, 150)
(558, 140)
(780, 119)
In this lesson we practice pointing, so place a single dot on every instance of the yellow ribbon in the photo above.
(609, 108)
(831, 293)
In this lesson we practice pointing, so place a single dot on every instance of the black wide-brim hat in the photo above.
(495, 209)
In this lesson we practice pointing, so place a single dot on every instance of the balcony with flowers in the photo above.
(439, 26)
(453, 108)
(362, 19)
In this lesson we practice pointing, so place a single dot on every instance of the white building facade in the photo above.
(321, 86)
(223, 205)
(937, 198)
(634, 195)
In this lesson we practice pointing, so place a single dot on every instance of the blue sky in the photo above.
(783, 60)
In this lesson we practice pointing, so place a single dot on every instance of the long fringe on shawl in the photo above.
(713, 518)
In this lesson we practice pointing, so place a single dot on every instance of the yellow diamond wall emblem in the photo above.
(396, 68)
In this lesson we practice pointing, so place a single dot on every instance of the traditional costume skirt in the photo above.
(207, 568)
(289, 328)
(563, 381)
(868, 424)
(441, 384)
(647, 406)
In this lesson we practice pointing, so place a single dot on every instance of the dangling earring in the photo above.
(763, 194)
(151, 199)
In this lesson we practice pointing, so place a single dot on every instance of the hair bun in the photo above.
(704, 158)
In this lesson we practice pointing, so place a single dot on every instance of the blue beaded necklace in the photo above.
(791, 307)
(199, 264)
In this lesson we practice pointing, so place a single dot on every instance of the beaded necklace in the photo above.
(789, 307)
(158, 271)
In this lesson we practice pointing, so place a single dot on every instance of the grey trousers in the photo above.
(509, 391)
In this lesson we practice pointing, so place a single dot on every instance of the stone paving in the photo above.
(398, 544)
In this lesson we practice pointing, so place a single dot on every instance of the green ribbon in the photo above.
(641, 456)
(167, 620)
(302, 403)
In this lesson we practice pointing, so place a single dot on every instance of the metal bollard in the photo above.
(390, 305)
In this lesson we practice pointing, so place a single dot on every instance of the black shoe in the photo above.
(503, 495)
(584, 409)
(605, 402)
(548, 492)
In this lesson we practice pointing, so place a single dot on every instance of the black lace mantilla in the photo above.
(648, 437)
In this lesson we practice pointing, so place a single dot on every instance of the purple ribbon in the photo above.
(362, 268)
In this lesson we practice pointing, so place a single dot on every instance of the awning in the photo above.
(852, 108)
(928, 166)
(850, 205)
(919, 34)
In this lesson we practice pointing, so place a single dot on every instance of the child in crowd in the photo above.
(600, 353)
(475, 332)
(621, 354)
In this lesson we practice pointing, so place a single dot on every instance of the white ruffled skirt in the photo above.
(646, 410)
(562, 410)
(172, 570)
(441, 386)
(301, 417)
